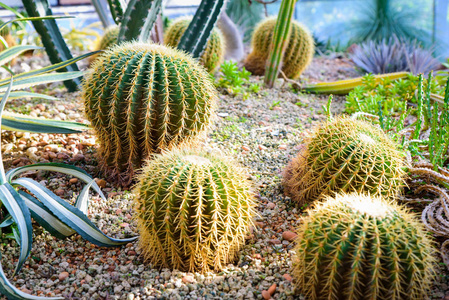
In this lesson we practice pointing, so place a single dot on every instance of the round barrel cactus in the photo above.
(345, 155)
(193, 210)
(213, 54)
(142, 98)
(297, 55)
(361, 247)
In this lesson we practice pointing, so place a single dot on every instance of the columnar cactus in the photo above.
(213, 54)
(297, 56)
(193, 210)
(362, 247)
(345, 155)
(141, 98)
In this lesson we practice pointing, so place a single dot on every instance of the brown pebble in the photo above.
(59, 192)
(260, 224)
(274, 241)
(63, 276)
(266, 295)
(25, 290)
(271, 205)
(188, 279)
(287, 277)
(131, 253)
(272, 289)
(73, 180)
(124, 225)
(16, 161)
(283, 147)
(77, 157)
(101, 182)
(246, 148)
(289, 236)
(257, 256)
(262, 147)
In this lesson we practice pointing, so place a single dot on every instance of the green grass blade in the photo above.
(12, 52)
(21, 83)
(28, 95)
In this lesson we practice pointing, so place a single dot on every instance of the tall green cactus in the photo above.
(197, 34)
(141, 98)
(362, 247)
(213, 54)
(280, 41)
(193, 210)
(51, 37)
(345, 155)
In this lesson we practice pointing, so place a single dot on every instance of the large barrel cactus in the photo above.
(213, 54)
(141, 98)
(345, 155)
(193, 210)
(297, 56)
(362, 247)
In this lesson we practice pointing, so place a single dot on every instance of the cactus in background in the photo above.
(345, 155)
(362, 247)
(141, 98)
(5, 33)
(108, 40)
(213, 54)
(297, 55)
(193, 210)
(197, 34)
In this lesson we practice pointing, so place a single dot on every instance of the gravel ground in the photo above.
(260, 132)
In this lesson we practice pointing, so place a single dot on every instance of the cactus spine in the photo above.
(193, 210)
(297, 55)
(345, 155)
(362, 247)
(213, 54)
(141, 98)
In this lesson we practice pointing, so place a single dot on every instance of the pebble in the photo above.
(63, 276)
(287, 277)
(246, 148)
(73, 180)
(282, 147)
(289, 236)
(188, 279)
(266, 295)
(271, 205)
(272, 289)
(101, 182)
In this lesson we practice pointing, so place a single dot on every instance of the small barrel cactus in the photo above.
(213, 54)
(193, 210)
(297, 56)
(108, 39)
(362, 247)
(141, 98)
(345, 155)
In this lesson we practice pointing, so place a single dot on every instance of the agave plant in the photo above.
(28, 79)
(58, 217)
(394, 55)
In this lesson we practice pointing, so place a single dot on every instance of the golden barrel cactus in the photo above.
(194, 210)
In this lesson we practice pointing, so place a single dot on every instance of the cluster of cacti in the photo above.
(213, 54)
(194, 210)
(363, 247)
(141, 98)
(345, 155)
(297, 56)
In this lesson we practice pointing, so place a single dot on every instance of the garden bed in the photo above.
(262, 132)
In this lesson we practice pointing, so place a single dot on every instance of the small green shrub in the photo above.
(236, 82)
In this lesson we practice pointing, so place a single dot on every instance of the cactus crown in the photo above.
(297, 56)
(193, 210)
(141, 98)
(213, 54)
(345, 155)
(362, 247)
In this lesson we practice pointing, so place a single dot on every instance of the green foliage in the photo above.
(298, 53)
(362, 247)
(213, 54)
(193, 210)
(246, 15)
(142, 98)
(345, 155)
(235, 81)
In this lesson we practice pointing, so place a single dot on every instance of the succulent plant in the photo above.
(193, 210)
(213, 54)
(345, 155)
(297, 56)
(142, 98)
(362, 247)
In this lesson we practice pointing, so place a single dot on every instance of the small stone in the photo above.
(63, 276)
(246, 148)
(73, 180)
(274, 241)
(283, 147)
(101, 182)
(266, 295)
(130, 296)
(25, 290)
(52, 148)
(289, 236)
(287, 277)
(59, 192)
(124, 225)
(272, 289)
(77, 157)
(271, 205)
(188, 279)
(262, 147)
